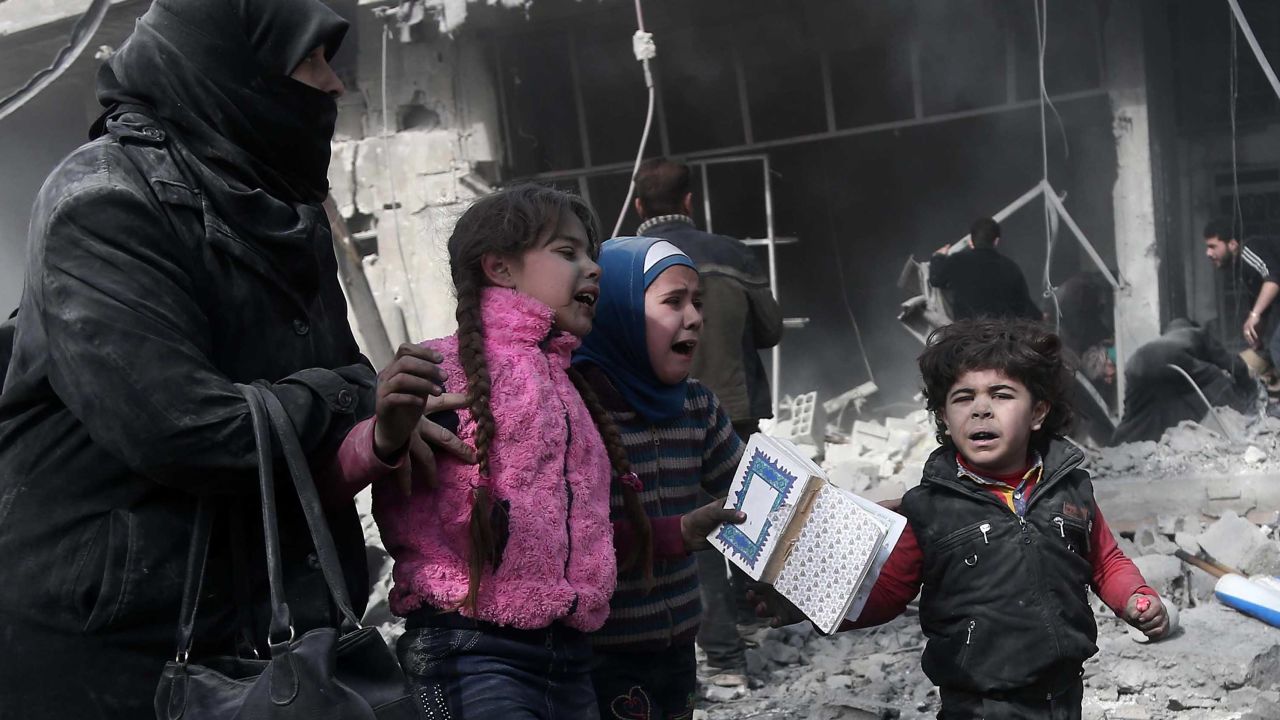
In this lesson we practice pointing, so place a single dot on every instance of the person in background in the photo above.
(980, 281)
(1254, 269)
(740, 318)
(1158, 391)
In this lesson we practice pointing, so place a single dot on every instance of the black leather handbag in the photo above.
(346, 672)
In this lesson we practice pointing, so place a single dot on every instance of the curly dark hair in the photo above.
(1024, 350)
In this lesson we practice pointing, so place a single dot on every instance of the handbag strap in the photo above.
(197, 555)
(312, 508)
(266, 413)
(281, 618)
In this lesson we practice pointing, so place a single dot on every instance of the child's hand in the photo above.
(1148, 614)
(403, 388)
(770, 605)
(697, 525)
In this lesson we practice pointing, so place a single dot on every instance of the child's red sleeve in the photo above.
(668, 541)
(898, 584)
(1115, 577)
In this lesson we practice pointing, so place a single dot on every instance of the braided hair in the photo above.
(509, 223)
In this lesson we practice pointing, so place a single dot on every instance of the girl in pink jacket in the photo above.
(502, 566)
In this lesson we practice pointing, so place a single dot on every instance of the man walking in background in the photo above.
(980, 282)
(740, 318)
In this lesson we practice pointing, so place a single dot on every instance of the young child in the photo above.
(1004, 533)
(677, 439)
(502, 567)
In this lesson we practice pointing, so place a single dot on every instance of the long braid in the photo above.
(641, 555)
(483, 551)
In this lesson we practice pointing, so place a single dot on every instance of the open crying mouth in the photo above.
(586, 299)
(983, 435)
(684, 347)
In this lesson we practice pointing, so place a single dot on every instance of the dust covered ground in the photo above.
(1220, 664)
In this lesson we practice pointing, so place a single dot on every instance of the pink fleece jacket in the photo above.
(547, 460)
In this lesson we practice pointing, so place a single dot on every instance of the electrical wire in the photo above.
(391, 178)
(648, 120)
(1237, 214)
(1042, 36)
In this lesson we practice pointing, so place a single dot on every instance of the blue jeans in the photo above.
(659, 685)
(462, 669)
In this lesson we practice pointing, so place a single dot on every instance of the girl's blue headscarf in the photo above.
(616, 343)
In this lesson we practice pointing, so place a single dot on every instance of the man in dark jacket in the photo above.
(980, 282)
(183, 250)
(739, 318)
(1158, 395)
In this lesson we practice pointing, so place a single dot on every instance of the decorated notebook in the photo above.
(818, 545)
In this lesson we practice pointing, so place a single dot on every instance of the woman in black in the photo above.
(182, 250)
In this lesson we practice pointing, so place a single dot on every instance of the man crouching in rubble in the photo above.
(1004, 533)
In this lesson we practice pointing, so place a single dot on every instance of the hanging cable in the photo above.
(1237, 214)
(391, 178)
(644, 49)
(1042, 36)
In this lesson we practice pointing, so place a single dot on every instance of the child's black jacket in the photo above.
(1004, 599)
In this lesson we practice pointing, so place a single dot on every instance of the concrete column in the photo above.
(1137, 256)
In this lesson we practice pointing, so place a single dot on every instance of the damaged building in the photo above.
(854, 135)
(839, 139)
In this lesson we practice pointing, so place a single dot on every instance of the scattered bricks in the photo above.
(852, 476)
(872, 437)
(887, 469)
(1231, 540)
(780, 652)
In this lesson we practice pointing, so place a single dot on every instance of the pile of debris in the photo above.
(882, 460)
(1241, 444)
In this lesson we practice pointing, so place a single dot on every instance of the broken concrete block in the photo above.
(1187, 542)
(1150, 542)
(1254, 456)
(1162, 572)
(852, 476)
(887, 469)
(885, 491)
(1232, 540)
(870, 437)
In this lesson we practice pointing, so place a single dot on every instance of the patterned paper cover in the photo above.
(836, 547)
(766, 487)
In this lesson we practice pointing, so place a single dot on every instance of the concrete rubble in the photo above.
(1221, 665)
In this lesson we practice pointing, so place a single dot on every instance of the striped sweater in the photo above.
(672, 459)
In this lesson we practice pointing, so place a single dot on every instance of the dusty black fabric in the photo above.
(1005, 609)
(142, 307)
(216, 73)
(982, 283)
(1157, 397)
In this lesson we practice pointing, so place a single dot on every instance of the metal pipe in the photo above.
(821, 136)
(1253, 43)
(773, 278)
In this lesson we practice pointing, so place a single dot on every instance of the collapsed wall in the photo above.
(405, 165)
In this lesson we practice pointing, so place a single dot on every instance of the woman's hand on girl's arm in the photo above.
(432, 437)
(404, 386)
(697, 525)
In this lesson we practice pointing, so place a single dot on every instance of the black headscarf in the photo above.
(215, 74)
